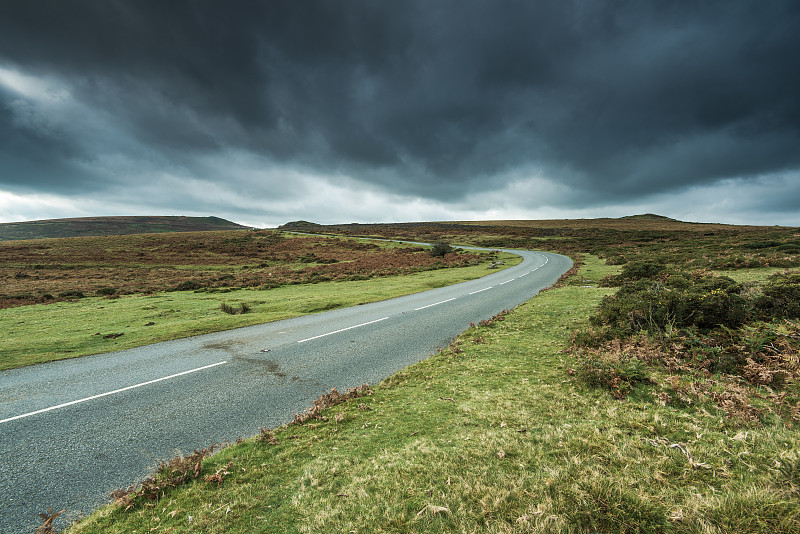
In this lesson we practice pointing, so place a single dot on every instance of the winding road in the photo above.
(72, 431)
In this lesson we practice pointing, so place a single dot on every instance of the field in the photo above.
(656, 389)
(51, 270)
(72, 297)
(497, 433)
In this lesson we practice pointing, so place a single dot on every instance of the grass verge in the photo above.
(493, 435)
(46, 332)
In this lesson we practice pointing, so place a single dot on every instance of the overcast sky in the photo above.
(264, 112)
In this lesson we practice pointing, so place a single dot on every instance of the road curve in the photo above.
(72, 431)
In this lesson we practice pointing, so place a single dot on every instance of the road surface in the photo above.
(72, 431)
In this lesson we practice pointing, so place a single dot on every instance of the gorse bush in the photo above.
(633, 271)
(702, 325)
(106, 291)
(440, 249)
(781, 296)
(637, 270)
(674, 301)
(188, 285)
(72, 294)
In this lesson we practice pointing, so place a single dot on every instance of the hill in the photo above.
(632, 223)
(101, 226)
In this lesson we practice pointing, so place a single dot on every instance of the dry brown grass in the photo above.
(49, 270)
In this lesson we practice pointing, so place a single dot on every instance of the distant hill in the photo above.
(300, 226)
(100, 226)
(649, 217)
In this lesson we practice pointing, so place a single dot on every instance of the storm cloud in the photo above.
(264, 112)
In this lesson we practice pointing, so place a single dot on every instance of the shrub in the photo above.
(637, 270)
(781, 296)
(679, 301)
(632, 271)
(188, 285)
(439, 249)
(72, 294)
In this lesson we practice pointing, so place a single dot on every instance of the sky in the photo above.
(338, 111)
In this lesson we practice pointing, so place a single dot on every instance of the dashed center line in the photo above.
(342, 330)
(484, 289)
(224, 362)
(434, 304)
(110, 392)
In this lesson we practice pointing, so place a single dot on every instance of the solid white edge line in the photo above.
(342, 330)
(110, 392)
(434, 304)
(484, 289)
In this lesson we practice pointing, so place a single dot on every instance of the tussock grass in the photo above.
(493, 435)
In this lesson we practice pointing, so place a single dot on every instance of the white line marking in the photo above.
(484, 289)
(342, 330)
(434, 304)
(507, 281)
(110, 392)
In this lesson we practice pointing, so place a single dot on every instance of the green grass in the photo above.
(750, 275)
(46, 332)
(495, 435)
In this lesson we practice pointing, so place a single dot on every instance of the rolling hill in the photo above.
(100, 226)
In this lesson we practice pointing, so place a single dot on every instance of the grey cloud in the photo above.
(616, 100)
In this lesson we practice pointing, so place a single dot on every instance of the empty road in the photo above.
(74, 430)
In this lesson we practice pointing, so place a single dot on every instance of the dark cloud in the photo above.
(613, 101)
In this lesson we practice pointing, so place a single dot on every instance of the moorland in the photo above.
(68, 297)
(654, 389)
(119, 225)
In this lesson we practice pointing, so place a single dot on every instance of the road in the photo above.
(72, 431)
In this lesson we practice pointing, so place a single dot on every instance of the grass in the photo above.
(494, 434)
(46, 332)
(750, 275)
(46, 271)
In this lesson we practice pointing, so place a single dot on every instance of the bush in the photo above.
(188, 285)
(440, 249)
(637, 270)
(632, 271)
(781, 296)
(72, 294)
(679, 301)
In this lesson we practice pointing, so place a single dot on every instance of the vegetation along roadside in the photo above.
(72, 297)
(502, 431)
(616, 402)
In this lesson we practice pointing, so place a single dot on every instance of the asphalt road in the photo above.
(72, 431)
